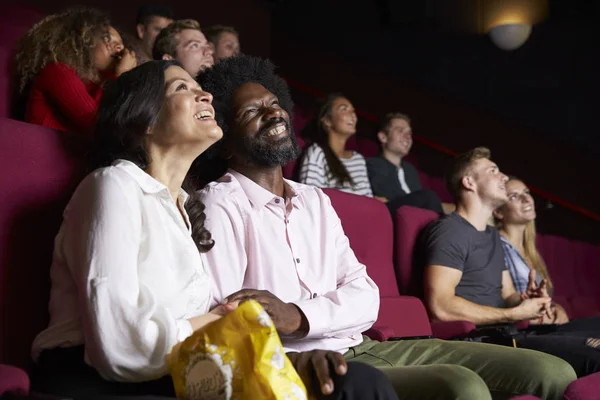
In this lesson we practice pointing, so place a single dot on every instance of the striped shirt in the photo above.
(315, 171)
(518, 268)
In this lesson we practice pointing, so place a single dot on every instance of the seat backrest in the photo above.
(15, 20)
(409, 223)
(368, 225)
(573, 267)
(40, 170)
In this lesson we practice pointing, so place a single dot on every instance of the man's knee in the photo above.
(437, 382)
(550, 374)
(363, 381)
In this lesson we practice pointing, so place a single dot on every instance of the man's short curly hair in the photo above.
(231, 73)
(221, 81)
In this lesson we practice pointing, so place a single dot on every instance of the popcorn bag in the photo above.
(240, 356)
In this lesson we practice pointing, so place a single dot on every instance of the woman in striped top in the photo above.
(326, 163)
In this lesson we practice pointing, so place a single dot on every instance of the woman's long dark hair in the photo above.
(129, 106)
(316, 132)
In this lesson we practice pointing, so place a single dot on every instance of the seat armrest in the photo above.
(380, 333)
(452, 329)
(13, 380)
(37, 396)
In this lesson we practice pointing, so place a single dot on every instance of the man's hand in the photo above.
(287, 317)
(531, 308)
(318, 364)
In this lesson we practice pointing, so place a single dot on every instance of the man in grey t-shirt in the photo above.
(454, 243)
(465, 276)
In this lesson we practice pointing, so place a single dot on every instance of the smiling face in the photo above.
(398, 138)
(520, 208)
(186, 116)
(341, 118)
(261, 133)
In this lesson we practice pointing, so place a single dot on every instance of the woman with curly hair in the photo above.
(62, 64)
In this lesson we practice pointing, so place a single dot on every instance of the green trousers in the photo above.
(440, 369)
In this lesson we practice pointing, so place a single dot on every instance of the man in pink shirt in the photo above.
(282, 244)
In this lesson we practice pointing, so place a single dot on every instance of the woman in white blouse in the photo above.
(128, 281)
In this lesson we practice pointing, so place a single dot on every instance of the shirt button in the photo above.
(287, 221)
(297, 261)
(277, 201)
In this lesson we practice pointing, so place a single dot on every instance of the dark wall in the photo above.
(251, 18)
(549, 85)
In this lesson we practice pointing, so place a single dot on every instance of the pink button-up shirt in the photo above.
(296, 249)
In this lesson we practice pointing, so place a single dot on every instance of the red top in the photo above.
(59, 99)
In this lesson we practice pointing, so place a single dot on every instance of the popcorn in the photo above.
(238, 357)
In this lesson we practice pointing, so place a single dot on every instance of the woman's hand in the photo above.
(215, 314)
(381, 199)
(125, 61)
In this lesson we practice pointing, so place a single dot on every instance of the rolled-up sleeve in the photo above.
(354, 305)
(127, 333)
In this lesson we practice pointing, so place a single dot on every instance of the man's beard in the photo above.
(262, 153)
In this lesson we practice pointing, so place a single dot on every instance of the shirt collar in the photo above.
(260, 197)
(147, 182)
(390, 164)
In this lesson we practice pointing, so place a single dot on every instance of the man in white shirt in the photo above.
(282, 244)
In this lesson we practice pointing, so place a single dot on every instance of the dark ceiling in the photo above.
(549, 85)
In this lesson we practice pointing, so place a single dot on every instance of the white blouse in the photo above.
(126, 275)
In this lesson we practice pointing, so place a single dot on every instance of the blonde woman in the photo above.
(515, 221)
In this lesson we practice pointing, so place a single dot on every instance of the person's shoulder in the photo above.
(446, 227)
(226, 189)
(377, 162)
(356, 156)
(108, 186)
(311, 196)
(408, 166)
(313, 150)
(111, 178)
(57, 68)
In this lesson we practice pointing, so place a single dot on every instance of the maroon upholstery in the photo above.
(368, 225)
(574, 269)
(367, 147)
(585, 388)
(15, 21)
(410, 221)
(40, 170)
(5, 81)
(13, 381)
